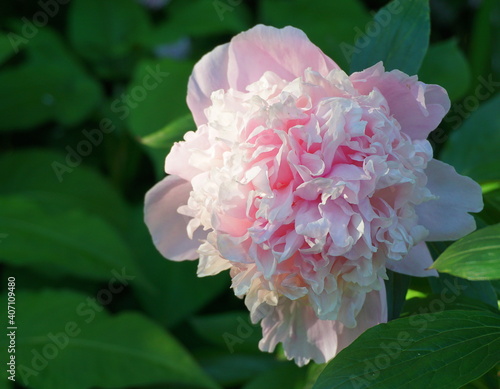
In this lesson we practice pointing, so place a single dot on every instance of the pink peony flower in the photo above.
(307, 184)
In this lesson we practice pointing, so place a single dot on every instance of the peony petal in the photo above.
(416, 263)
(166, 225)
(419, 108)
(177, 161)
(287, 52)
(209, 75)
(305, 337)
(374, 312)
(447, 217)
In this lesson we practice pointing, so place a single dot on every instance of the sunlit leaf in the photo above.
(474, 257)
(442, 350)
(401, 39)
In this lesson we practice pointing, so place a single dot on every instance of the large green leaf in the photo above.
(68, 341)
(110, 34)
(491, 210)
(473, 148)
(460, 287)
(176, 292)
(446, 301)
(229, 330)
(156, 96)
(231, 370)
(332, 25)
(443, 350)
(41, 176)
(59, 244)
(286, 375)
(398, 36)
(474, 257)
(446, 65)
(55, 87)
(6, 49)
(205, 17)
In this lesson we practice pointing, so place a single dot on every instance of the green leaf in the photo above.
(474, 257)
(160, 90)
(446, 301)
(400, 37)
(473, 148)
(446, 65)
(206, 17)
(176, 291)
(491, 210)
(78, 345)
(442, 350)
(158, 144)
(59, 244)
(286, 375)
(6, 49)
(229, 330)
(32, 174)
(110, 34)
(76, 94)
(333, 29)
(54, 85)
(234, 369)
(478, 290)
(396, 287)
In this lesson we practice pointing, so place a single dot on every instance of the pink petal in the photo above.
(418, 107)
(447, 218)
(305, 337)
(374, 312)
(209, 74)
(416, 263)
(177, 161)
(286, 52)
(166, 225)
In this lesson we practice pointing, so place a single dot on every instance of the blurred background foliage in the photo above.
(92, 96)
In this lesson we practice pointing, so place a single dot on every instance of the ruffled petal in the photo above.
(374, 312)
(447, 217)
(416, 263)
(287, 52)
(419, 108)
(166, 225)
(177, 161)
(305, 337)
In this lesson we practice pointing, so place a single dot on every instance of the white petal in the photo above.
(168, 227)
(447, 218)
(415, 263)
